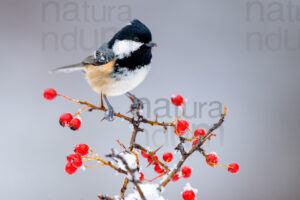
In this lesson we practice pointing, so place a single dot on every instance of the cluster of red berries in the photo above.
(212, 159)
(182, 125)
(66, 119)
(186, 172)
(75, 160)
(167, 157)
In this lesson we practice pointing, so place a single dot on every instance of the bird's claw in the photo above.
(110, 115)
(137, 104)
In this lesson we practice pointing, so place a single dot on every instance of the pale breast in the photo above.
(99, 76)
(126, 81)
(102, 80)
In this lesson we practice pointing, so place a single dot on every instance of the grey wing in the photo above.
(101, 56)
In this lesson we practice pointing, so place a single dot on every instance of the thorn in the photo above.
(154, 152)
(102, 119)
(209, 138)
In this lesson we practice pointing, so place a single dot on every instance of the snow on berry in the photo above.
(189, 192)
(65, 119)
(75, 124)
(50, 94)
(233, 168)
(182, 126)
(186, 172)
(188, 195)
(168, 157)
(70, 169)
(177, 100)
(82, 149)
(75, 160)
(212, 159)
(175, 178)
(199, 132)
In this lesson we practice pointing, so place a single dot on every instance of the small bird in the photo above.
(119, 65)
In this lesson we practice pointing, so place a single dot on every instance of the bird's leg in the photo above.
(137, 103)
(101, 103)
(110, 111)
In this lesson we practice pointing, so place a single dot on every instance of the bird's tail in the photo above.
(69, 68)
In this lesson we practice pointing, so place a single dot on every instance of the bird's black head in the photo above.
(132, 45)
(135, 31)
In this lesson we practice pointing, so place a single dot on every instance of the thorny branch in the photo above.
(195, 148)
(136, 122)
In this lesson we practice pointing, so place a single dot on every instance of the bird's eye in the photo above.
(136, 39)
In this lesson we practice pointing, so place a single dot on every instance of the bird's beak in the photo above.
(151, 44)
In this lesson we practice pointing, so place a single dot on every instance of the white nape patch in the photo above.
(126, 81)
(124, 48)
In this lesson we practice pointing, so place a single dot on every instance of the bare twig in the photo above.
(105, 197)
(196, 147)
(119, 115)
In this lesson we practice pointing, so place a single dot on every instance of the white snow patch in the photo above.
(83, 168)
(189, 187)
(149, 190)
(129, 158)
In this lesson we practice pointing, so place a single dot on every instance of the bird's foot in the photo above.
(109, 116)
(136, 102)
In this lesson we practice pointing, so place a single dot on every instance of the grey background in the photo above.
(202, 55)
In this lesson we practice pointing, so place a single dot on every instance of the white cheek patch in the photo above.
(124, 48)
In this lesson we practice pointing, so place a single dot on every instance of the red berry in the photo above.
(177, 100)
(50, 94)
(175, 178)
(143, 153)
(212, 159)
(186, 171)
(182, 126)
(233, 168)
(150, 160)
(158, 169)
(188, 195)
(75, 124)
(82, 149)
(168, 157)
(142, 177)
(199, 132)
(70, 169)
(75, 160)
(65, 119)
(195, 142)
